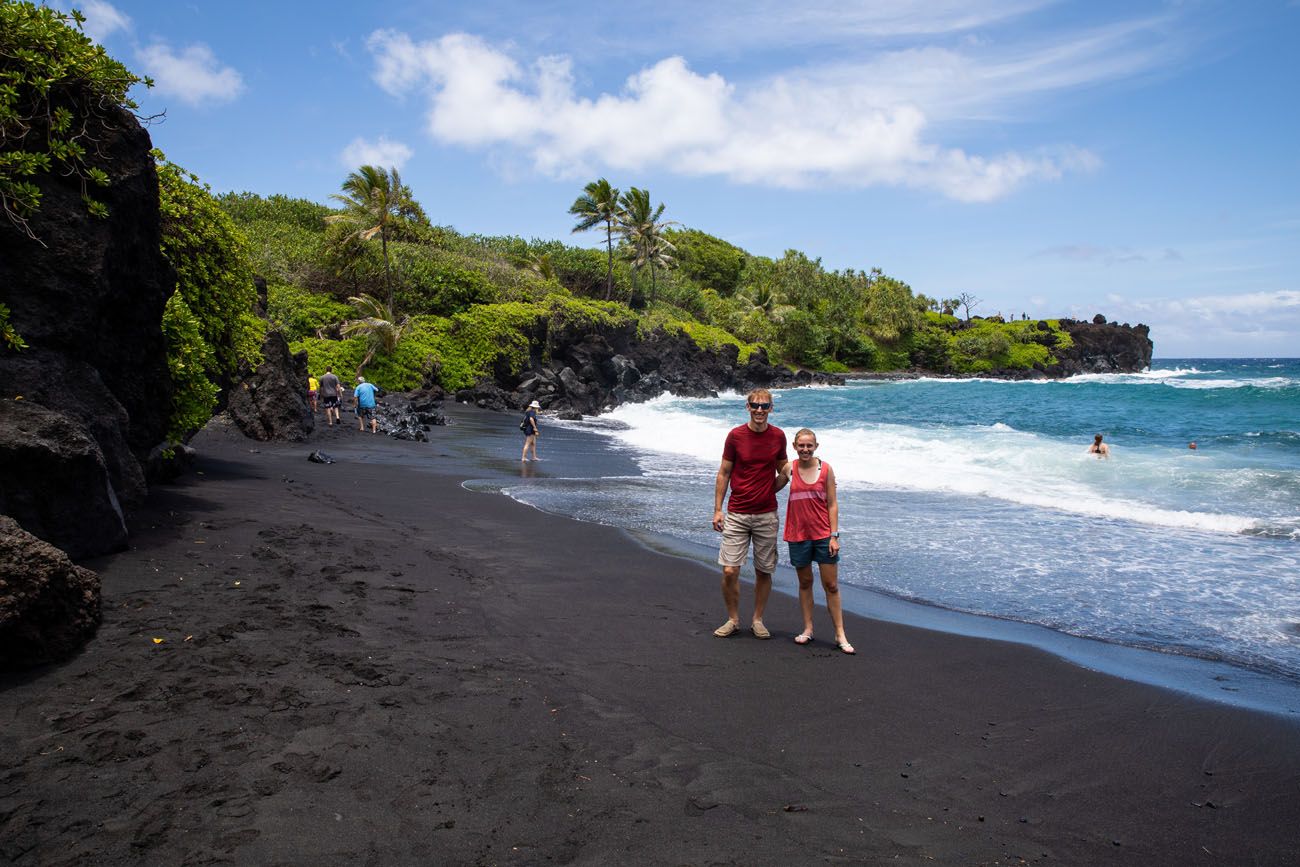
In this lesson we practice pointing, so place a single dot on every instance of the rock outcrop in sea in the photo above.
(1102, 347)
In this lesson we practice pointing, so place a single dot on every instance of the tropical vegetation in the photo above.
(465, 306)
(57, 89)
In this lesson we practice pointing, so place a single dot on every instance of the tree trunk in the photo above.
(609, 247)
(388, 274)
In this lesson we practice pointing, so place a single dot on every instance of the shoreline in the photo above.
(361, 662)
(1205, 678)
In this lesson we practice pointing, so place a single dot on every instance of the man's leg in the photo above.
(763, 533)
(731, 592)
(762, 590)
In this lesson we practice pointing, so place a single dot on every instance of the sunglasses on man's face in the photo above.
(756, 405)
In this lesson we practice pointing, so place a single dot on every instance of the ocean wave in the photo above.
(1271, 382)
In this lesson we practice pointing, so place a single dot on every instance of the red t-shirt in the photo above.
(753, 475)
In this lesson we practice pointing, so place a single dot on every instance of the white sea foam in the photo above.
(994, 461)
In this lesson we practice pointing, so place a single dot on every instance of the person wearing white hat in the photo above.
(531, 431)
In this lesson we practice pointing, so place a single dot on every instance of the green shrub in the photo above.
(246, 208)
(213, 270)
(429, 286)
(712, 337)
(58, 90)
(189, 359)
(299, 313)
(10, 340)
(709, 261)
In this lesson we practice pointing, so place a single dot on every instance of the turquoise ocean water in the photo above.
(978, 496)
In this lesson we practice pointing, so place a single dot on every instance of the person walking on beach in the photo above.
(330, 390)
(531, 431)
(365, 394)
(812, 531)
(1099, 448)
(754, 466)
(313, 386)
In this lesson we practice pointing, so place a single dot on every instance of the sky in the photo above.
(1137, 159)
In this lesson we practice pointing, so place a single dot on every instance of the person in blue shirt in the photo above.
(365, 395)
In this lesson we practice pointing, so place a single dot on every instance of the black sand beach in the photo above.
(366, 663)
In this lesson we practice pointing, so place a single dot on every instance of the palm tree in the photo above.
(543, 266)
(377, 324)
(641, 226)
(766, 299)
(373, 199)
(599, 204)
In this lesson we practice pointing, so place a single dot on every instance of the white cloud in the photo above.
(1249, 323)
(383, 152)
(193, 75)
(102, 19)
(863, 125)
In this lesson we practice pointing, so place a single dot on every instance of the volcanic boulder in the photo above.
(54, 483)
(270, 402)
(49, 607)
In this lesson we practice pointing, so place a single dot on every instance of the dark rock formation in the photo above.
(53, 481)
(74, 388)
(1103, 348)
(88, 299)
(574, 373)
(270, 403)
(93, 290)
(48, 606)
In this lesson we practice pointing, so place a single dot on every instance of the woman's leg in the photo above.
(806, 597)
(830, 573)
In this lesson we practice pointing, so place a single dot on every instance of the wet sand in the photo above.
(366, 663)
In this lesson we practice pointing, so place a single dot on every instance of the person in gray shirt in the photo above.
(329, 395)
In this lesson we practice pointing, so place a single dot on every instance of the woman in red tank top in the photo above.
(812, 531)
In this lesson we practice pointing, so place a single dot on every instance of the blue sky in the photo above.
(1138, 159)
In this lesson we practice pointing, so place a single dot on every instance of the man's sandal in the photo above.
(727, 629)
(760, 631)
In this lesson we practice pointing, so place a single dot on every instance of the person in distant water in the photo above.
(330, 390)
(754, 466)
(531, 431)
(1099, 448)
(1192, 446)
(365, 394)
(312, 387)
(812, 531)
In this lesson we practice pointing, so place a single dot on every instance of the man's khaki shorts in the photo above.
(739, 530)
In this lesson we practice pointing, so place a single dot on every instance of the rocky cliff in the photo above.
(1102, 347)
(575, 373)
(82, 407)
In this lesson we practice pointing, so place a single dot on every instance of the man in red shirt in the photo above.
(755, 467)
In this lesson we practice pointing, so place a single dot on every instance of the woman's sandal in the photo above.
(845, 647)
(803, 638)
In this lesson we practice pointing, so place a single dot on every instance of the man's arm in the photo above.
(783, 473)
(720, 491)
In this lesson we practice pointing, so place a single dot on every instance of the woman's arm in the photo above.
(833, 507)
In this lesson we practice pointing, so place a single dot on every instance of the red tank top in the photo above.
(807, 517)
